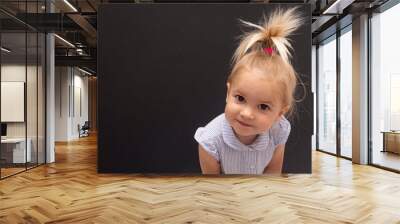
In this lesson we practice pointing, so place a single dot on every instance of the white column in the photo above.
(50, 91)
(360, 90)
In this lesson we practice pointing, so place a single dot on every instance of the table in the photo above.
(391, 141)
(13, 150)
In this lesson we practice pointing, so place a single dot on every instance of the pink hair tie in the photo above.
(268, 50)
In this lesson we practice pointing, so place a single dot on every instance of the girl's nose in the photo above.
(246, 113)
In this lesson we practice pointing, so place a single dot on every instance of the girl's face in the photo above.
(253, 105)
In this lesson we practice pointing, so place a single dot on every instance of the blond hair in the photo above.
(272, 33)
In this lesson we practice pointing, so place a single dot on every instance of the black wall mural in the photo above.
(162, 74)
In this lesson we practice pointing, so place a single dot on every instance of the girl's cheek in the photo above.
(235, 107)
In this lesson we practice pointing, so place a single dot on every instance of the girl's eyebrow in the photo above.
(238, 92)
(267, 102)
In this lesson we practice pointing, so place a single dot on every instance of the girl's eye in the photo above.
(239, 98)
(264, 107)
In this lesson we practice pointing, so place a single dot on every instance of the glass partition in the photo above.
(385, 89)
(13, 91)
(327, 96)
(346, 93)
(22, 89)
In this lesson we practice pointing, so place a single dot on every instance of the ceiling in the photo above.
(76, 22)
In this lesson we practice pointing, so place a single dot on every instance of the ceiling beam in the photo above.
(337, 7)
(82, 61)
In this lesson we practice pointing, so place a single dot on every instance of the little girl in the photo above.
(250, 137)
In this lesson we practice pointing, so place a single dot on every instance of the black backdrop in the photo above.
(162, 70)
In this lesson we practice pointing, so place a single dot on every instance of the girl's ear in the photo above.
(228, 86)
(282, 112)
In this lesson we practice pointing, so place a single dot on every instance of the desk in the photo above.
(391, 141)
(15, 148)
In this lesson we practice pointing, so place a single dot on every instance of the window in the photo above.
(346, 93)
(327, 96)
(385, 88)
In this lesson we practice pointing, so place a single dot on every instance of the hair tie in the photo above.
(268, 50)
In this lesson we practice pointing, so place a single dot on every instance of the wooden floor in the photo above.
(5, 172)
(387, 159)
(71, 191)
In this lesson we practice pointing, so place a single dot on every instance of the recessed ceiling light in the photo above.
(86, 72)
(70, 5)
(5, 50)
(65, 41)
(338, 6)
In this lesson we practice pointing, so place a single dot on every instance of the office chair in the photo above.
(84, 130)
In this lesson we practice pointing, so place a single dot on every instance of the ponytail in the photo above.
(272, 34)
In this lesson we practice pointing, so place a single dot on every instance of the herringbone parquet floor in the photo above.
(71, 191)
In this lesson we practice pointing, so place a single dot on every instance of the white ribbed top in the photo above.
(219, 140)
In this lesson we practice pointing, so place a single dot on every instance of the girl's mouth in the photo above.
(243, 124)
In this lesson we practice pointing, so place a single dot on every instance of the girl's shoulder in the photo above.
(280, 131)
(283, 123)
(212, 130)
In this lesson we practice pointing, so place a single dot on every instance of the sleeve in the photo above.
(280, 131)
(208, 143)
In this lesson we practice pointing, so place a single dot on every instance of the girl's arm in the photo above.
(209, 165)
(275, 166)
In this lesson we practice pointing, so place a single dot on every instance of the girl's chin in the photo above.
(243, 132)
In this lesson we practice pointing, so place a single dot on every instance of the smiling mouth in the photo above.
(243, 124)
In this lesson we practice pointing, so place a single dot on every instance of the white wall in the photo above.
(81, 83)
(16, 73)
(71, 93)
(11, 73)
(62, 81)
